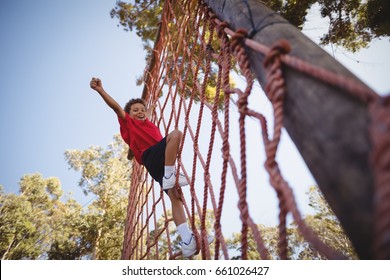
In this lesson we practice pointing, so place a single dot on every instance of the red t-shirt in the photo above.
(139, 135)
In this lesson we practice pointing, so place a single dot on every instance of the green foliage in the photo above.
(347, 26)
(270, 238)
(142, 16)
(294, 11)
(324, 223)
(378, 19)
(66, 238)
(105, 173)
(28, 220)
(352, 23)
(36, 224)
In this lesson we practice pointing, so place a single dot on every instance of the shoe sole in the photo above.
(180, 185)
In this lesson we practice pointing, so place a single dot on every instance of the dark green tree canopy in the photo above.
(352, 23)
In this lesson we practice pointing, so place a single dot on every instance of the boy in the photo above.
(156, 153)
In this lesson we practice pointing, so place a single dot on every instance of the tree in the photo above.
(37, 224)
(377, 17)
(324, 223)
(270, 238)
(18, 231)
(105, 173)
(30, 221)
(142, 16)
(67, 242)
(352, 23)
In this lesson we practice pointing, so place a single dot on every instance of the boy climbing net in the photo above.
(158, 155)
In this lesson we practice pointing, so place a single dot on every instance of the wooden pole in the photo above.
(328, 126)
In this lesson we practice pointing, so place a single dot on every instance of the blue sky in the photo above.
(49, 52)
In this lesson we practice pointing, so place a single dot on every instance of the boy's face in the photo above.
(138, 112)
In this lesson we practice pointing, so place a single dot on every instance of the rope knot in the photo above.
(241, 33)
(275, 88)
(221, 27)
(280, 48)
(213, 16)
(242, 104)
(238, 38)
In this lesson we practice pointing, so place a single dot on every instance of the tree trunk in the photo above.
(328, 126)
(5, 255)
(96, 245)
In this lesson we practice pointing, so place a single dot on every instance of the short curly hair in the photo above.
(132, 102)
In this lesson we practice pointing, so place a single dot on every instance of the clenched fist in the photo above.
(96, 84)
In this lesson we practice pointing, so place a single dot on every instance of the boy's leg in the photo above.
(179, 216)
(172, 144)
(178, 213)
(172, 147)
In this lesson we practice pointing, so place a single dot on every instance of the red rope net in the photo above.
(185, 88)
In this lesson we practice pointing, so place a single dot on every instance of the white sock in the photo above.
(184, 232)
(168, 170)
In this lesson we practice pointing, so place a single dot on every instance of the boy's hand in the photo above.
(96, 84)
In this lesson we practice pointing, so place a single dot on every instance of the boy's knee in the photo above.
(176, 134)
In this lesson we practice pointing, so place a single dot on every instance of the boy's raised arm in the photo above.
(96, 84)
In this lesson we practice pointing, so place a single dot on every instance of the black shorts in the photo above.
(154, 160)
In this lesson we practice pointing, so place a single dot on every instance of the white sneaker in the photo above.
(168, 183)
(190, 249)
